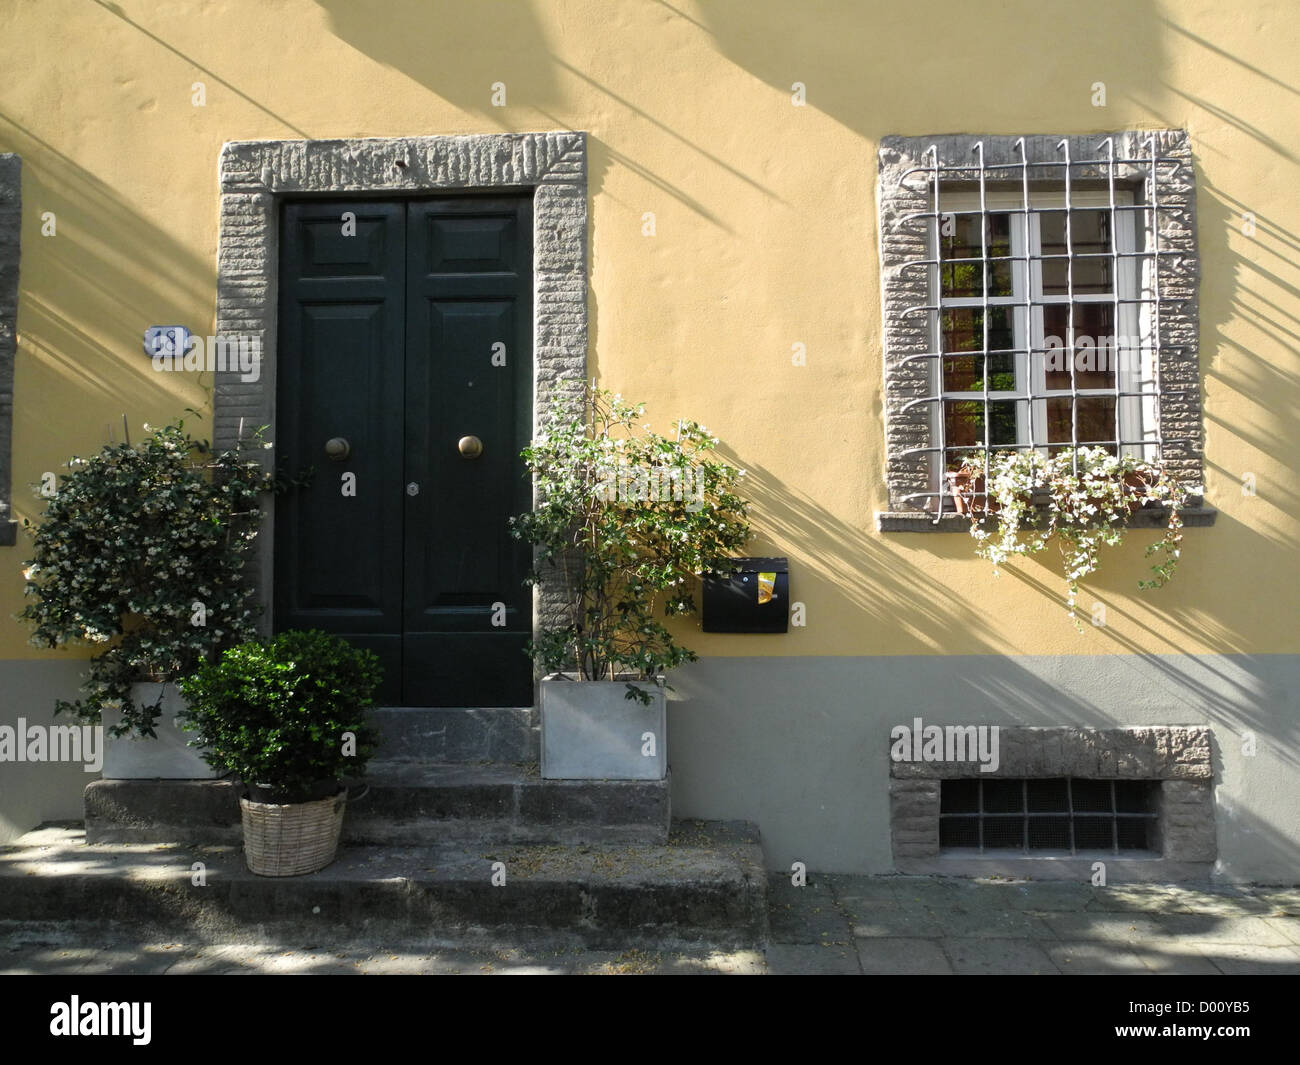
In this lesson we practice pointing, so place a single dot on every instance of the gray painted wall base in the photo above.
(33, 792)
(801, 745)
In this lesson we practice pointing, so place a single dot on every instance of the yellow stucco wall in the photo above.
(766, 236)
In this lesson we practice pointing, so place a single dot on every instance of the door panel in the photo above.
(339, 374)
(403, 338)
(469, 360)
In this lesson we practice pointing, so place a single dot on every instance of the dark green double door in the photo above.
(406, 327)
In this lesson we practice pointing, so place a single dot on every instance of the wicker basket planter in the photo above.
(290, 839)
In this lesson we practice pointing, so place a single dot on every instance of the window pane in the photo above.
(1048, 796)
(1134, 833)
(963, 329)
(959, 832)
(1090, 241)
(959, 238)
(1004, 832)
(1134, 796)
(965, 373)
(1049, 833)
(1096, 417)
(1090, 795)
(959, 796)
(964, 423)
(1093, 834)
(1004, 796)
(1095, 355)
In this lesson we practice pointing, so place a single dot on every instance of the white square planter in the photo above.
(168, 757)
(591, 731)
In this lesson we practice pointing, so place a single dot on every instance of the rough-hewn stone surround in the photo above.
(1180, 757)
(254, 174)
(902, 242)
(11, 214)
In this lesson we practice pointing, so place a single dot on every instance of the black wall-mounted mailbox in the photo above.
(753, 596)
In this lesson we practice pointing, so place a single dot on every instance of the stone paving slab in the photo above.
(999, 957)
(1204, 928)
(1095, 959)
(903, 957)
(813, 959)
(1240, 959)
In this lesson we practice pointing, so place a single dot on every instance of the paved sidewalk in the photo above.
(834, 925)
(905, 925)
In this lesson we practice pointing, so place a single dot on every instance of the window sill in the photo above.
(919, 521)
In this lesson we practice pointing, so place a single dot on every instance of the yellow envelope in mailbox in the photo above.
(766, 585)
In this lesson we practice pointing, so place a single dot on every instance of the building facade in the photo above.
(842, 237)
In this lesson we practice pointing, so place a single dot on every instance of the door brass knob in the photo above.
(471, 447)
(337, 448)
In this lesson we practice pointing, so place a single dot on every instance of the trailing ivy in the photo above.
(1088, 498)
(141, 551)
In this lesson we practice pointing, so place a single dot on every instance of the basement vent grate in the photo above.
(1045, 817)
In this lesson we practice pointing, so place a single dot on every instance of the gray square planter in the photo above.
(591, 731)
(168, 757)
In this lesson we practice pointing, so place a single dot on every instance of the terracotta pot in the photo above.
(965, 486)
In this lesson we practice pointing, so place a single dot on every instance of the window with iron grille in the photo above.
(1052, 816)
(1039, 293)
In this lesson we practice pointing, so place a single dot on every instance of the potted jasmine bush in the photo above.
(140, 554)
(626, 522)
(288, 717)
(1083, 497)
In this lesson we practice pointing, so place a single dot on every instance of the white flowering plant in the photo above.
(141, 551)
(1088, 497)
(626, 521)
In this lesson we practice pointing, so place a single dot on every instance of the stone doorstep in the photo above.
(456, 734)
(707, 883)
(408, 803)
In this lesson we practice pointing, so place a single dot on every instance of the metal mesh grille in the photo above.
(1059, 815)
(1044, 308)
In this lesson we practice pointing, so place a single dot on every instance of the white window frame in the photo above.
(1135, 370)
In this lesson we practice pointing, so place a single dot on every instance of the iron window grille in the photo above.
(1058, 815)
(1046, 286)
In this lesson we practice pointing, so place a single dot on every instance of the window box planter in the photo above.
(591, 730)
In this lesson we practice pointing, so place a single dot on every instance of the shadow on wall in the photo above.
(854, 564)
(88, 292)
(955, 51)
(471, 48)
(1237, 692)
(498, 41)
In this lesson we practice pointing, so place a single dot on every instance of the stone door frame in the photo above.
(256, 175)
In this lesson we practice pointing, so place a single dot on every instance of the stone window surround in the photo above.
(11, 213)
(901, 243)
(1180, 757)
(256, 175)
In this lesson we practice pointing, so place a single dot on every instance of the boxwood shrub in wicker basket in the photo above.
(288, 717)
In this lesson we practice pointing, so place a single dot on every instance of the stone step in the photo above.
(705, 884)
(407, 803)
(459, 734)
